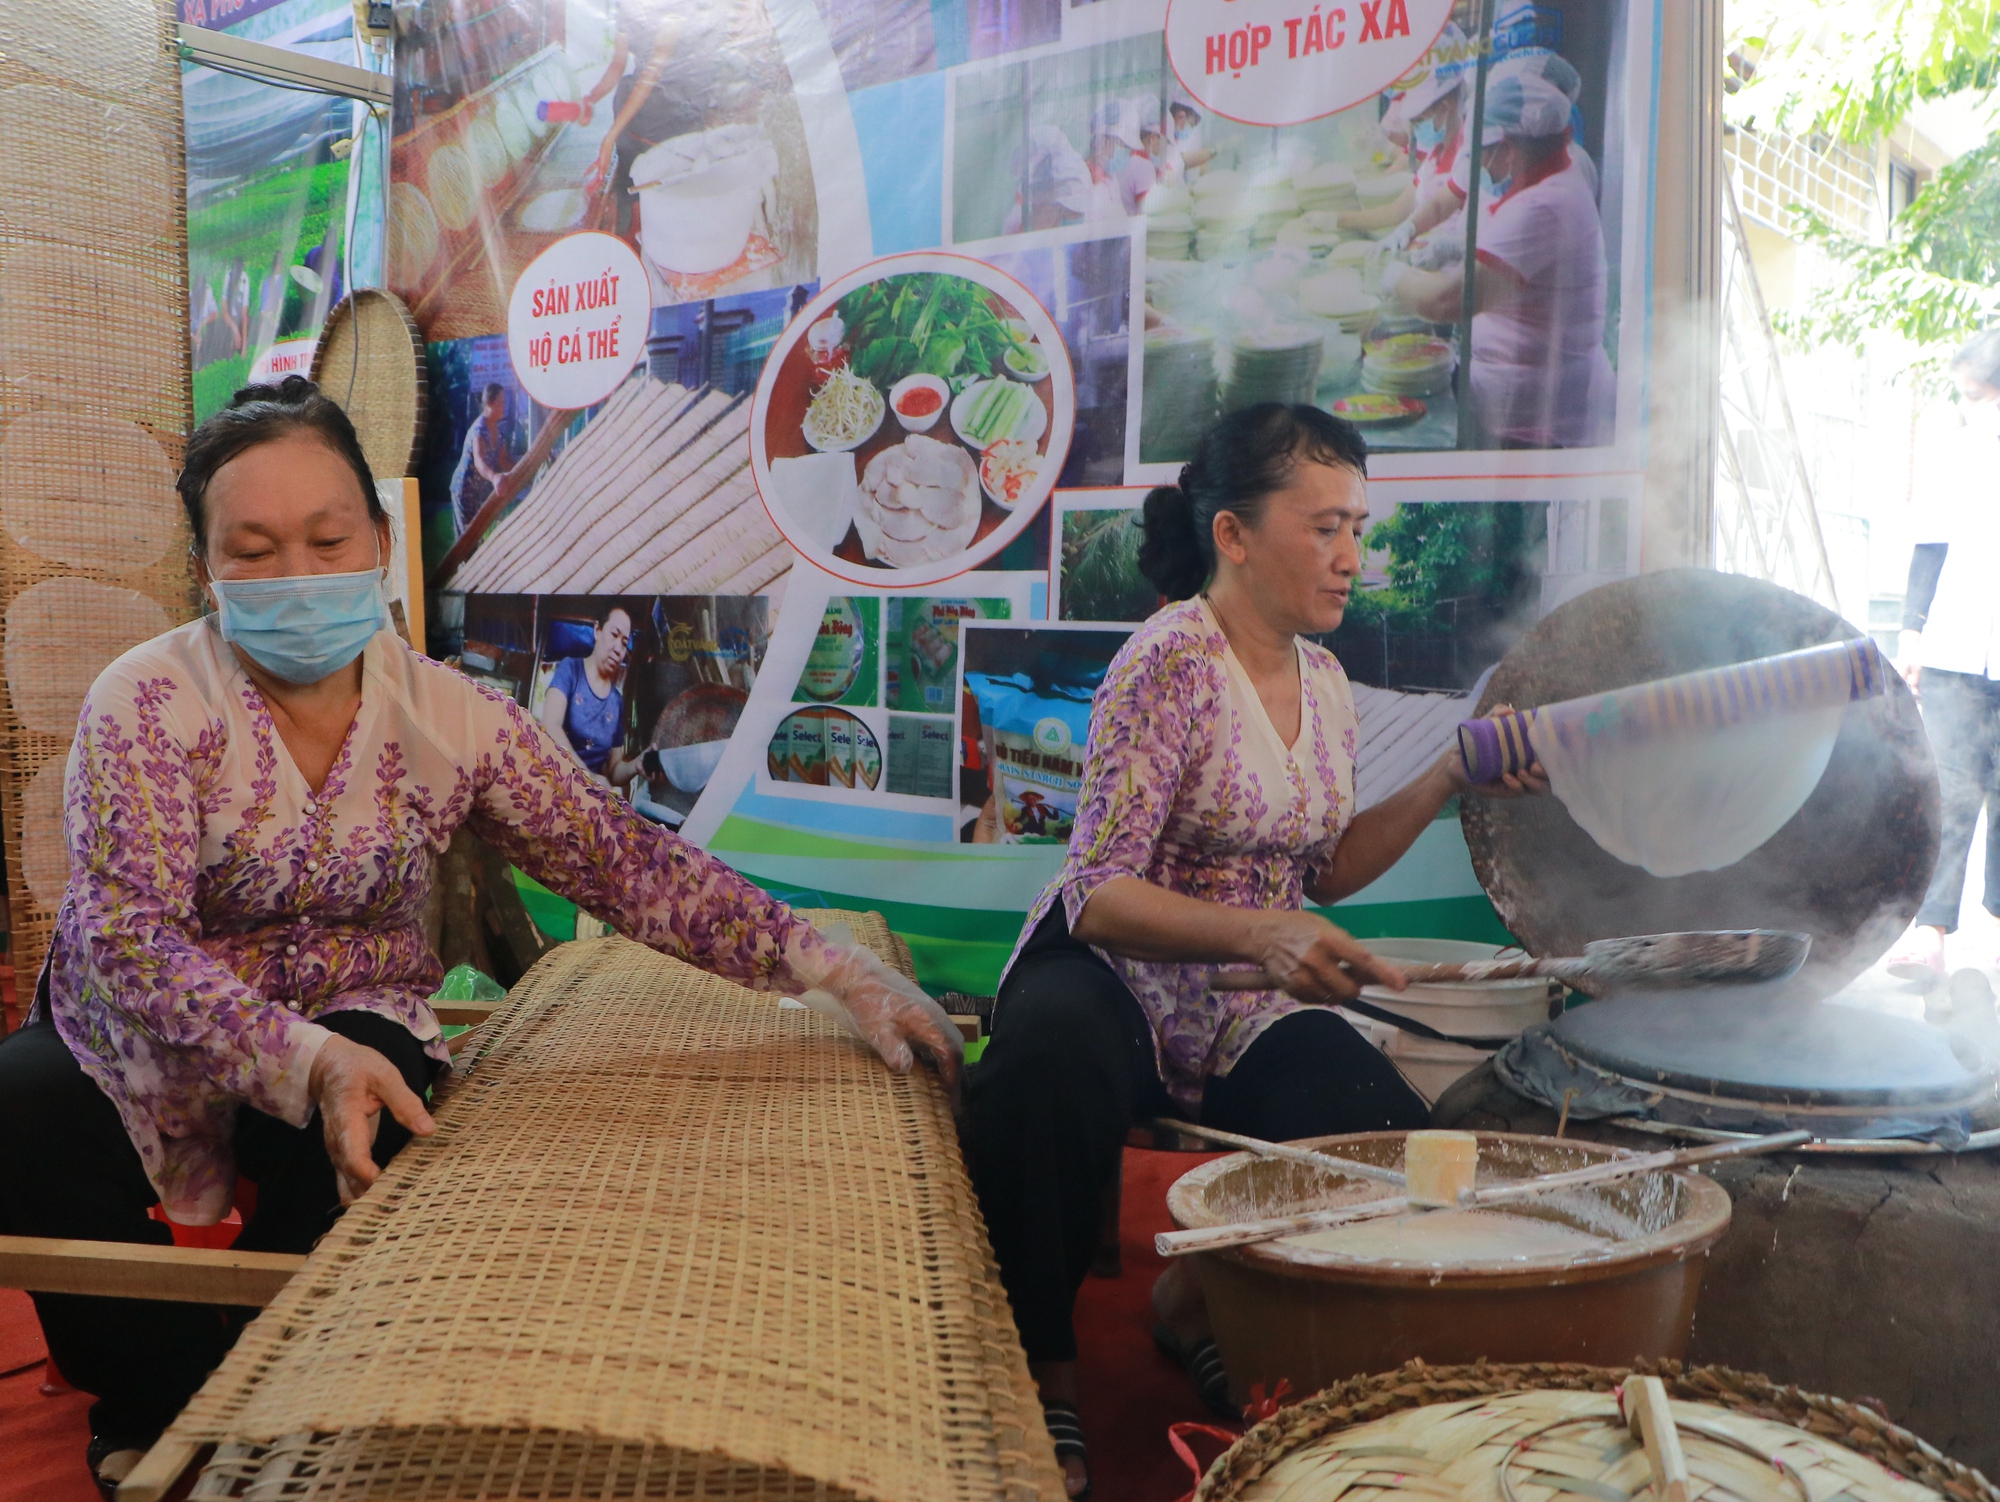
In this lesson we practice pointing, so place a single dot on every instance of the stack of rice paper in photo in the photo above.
(655, 496)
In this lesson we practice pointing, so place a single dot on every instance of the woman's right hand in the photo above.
(351, 1084)
(1315, 961)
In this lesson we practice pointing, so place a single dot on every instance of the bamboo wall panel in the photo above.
(93, 388)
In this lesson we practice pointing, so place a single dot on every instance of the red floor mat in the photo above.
(1131, 1393)
(41, 1438)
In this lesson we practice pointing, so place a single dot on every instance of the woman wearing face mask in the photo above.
(1114, 136)
(1540, 376)
(1440, 170)
(1217, 801)
(254, 808)
(1950, 653)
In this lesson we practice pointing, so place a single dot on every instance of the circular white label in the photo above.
(577, 322)
(1280, 62)
(1052, 734)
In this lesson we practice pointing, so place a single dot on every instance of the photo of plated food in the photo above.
(913, 417)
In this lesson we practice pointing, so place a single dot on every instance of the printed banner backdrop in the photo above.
(284, 199)
(797, 367)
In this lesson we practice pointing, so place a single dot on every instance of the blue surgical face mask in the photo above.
(1428, 136)
(304, 627)
(1118, 160)
(1491, 189)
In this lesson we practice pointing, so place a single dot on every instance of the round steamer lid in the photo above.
(1849, 868)
(1755, 1044)
(370, 359)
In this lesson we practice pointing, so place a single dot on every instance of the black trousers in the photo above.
(68, 1169)
(1962, 716)
(1069, 1070)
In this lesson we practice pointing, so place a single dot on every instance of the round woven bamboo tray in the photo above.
(1485, 1433)
(370, 359)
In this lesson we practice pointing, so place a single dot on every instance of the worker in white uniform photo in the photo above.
(1057, 183)
(1539, 373)
(1114, 138)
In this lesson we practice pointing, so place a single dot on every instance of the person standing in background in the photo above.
(486, 457)
(1950, 653)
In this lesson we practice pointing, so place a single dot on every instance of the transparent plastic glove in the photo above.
(1393, 271)
(891, 1015)
(1317, 962)
(1399, 238)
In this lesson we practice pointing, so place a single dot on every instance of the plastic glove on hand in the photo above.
(1398, 239)
(890, 1014)
(1317, 962)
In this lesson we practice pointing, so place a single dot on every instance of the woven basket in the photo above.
(1449, 1430)
(370, 359)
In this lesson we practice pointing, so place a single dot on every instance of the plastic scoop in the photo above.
(1656, 962)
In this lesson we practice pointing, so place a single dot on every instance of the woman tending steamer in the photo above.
(254, 809)
(1218, 797)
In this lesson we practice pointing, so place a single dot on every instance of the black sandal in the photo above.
(1203, 1364)
(101, 1450)
(1066, 1429)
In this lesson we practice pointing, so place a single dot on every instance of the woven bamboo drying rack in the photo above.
(1475, 1418)
(669, 1241)
(93, 394)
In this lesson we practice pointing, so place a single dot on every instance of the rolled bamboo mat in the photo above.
(1495, 1432)
(93, 388)
(670, 1240)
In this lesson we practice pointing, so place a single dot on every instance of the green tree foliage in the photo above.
(1853, 69)
(1485, 552)
(1935, 281)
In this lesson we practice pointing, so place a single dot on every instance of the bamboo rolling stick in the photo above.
(1643, 1401)
(1739, 957)
(1262, 1149)
(1253, 1232)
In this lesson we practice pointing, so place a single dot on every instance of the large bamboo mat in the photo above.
(670, 1240)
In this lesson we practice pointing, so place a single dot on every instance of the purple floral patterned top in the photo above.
(216, 904)
(1187, 785)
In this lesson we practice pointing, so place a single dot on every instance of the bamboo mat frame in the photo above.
(669, 1240)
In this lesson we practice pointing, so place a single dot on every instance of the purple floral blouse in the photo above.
(217, 905)
(1187, 785)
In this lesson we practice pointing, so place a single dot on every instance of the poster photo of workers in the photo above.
(1438, 264)
(768, 305)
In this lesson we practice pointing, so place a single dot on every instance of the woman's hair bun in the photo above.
(1237, 464)
(292, 391)
(1170, 552)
